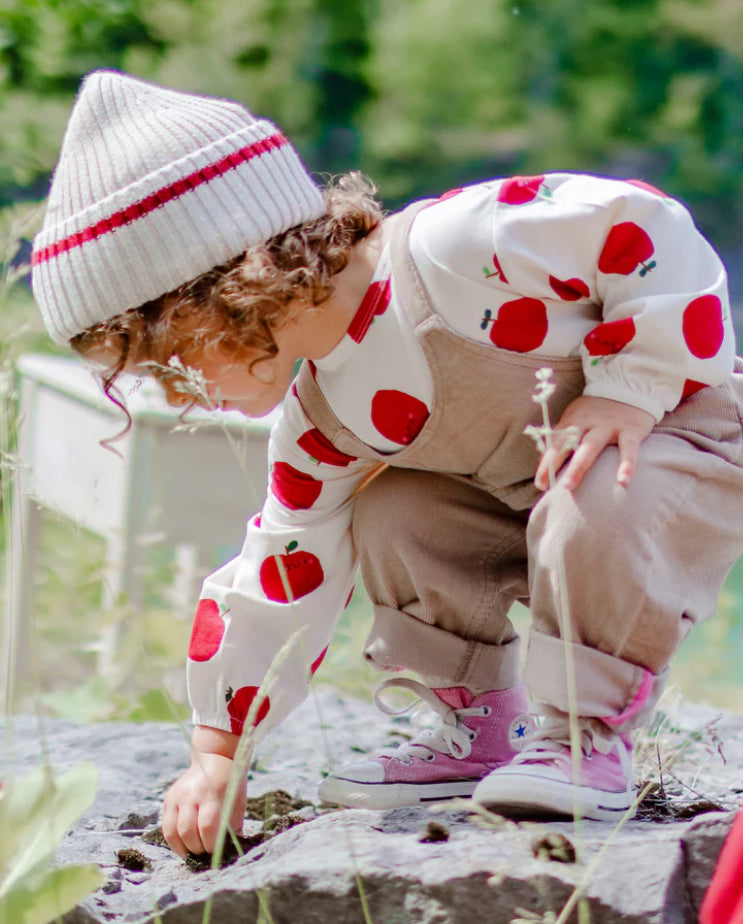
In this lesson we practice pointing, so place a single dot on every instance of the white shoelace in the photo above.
(450, 736)
(548, 743)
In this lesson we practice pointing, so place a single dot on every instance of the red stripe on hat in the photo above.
(160, 197)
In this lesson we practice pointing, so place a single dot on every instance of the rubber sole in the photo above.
(352, 794)
(522, 796)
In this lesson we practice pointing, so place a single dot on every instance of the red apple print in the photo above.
(398, 416)
(626, 247)
(296, 490)
(691, 388)
(702, 326)
(238, 706)
(374, 302)
(449, 194)
(300, 570)
(319, 448)
(569, 290)
(318, 660)
(208, 629)
(498, 270)
(257, 521)
(641, 184)
(520, 189)
(609, 338)
(521, 324)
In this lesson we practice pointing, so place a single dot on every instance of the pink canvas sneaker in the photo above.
(540, 781)
(474, 734)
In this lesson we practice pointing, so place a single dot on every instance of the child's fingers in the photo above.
(591, 447)
(629, 444)
(554, 459)
(209, 815)
(625, 472)
(170, 829)
(551, 461)
(188, 829)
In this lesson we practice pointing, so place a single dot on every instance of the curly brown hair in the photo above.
(238, 306)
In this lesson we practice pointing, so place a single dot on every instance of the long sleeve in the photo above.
(563, 264)
(289, 584)
(666, 325)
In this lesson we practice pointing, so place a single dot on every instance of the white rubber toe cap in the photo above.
(363, 771)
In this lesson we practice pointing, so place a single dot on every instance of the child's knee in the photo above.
(392, 504)
(598, 512)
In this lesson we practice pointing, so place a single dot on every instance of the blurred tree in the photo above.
(45, 47)
(637, 87)
(422, 94)
(333, 62)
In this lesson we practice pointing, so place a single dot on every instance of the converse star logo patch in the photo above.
(520, 730)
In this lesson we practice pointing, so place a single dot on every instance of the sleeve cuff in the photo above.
(615, 392)
(211, 720)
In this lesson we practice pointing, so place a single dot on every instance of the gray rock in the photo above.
(335, 863)
(701, 843)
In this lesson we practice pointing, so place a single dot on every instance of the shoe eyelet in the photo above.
(431, 757)
(486, 711)
(471, 734)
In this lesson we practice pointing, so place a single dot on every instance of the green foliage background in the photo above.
(422, 94)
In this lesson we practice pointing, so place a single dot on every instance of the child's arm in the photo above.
(193, 804)
(625, 279)
(567, 265)
(666, 328)
(268, 613)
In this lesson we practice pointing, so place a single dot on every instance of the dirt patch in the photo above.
(155, 837)
(434, 833)
(132, 859)
(276, 810)
(276, 802)
(231, 853)
(661, 806)
(554, 847)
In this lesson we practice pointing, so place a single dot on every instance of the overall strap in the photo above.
(413, 296)
(409, 286)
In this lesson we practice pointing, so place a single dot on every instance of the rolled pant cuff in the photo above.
(620, 693)
(398, 641)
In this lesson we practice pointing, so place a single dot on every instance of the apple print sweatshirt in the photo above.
(559, 265)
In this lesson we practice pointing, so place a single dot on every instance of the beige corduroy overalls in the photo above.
(454, 530)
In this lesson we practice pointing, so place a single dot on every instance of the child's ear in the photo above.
(264, 372)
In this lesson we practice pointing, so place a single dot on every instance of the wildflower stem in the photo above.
(544, 390)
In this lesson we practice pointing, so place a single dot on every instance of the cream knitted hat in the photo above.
(154, 187)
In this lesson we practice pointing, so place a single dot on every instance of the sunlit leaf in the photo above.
(35, 814)
(153, 706)
(46, 897)
(90, 701)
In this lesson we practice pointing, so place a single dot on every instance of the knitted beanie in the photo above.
(153, 188)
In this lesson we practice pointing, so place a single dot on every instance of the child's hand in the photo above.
(193, 804)
(600, 422)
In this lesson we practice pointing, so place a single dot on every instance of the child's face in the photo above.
(229, 384)
(235, 386)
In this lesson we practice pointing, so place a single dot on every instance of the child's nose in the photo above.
(177, 398)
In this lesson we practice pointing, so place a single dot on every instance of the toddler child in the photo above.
(181, 226)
